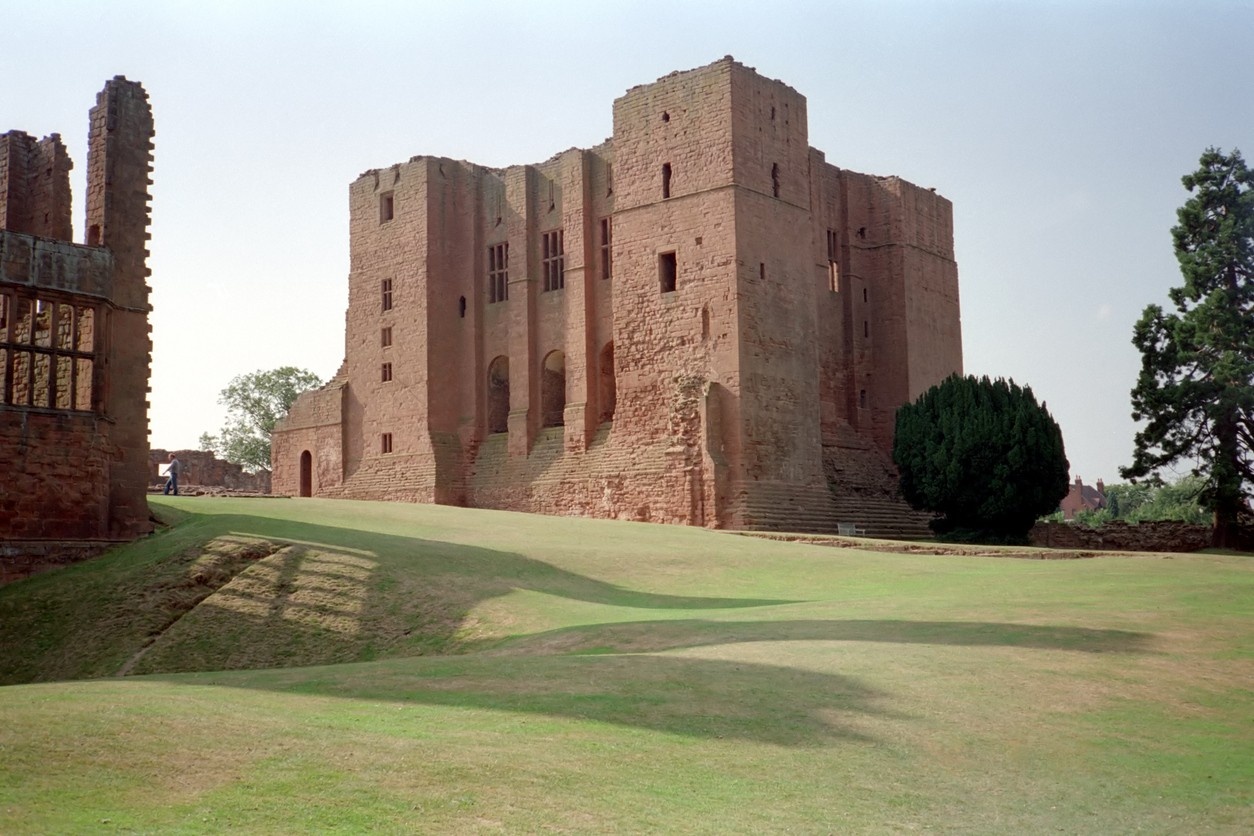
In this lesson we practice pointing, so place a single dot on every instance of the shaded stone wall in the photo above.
(708, 362)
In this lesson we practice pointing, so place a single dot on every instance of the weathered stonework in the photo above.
(74, 339)
(202, 469)
(731, 318)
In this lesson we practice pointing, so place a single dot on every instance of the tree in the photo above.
(983, 454)
(254, 403)
(1196, 387)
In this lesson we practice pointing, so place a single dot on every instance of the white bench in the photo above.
(850, 530)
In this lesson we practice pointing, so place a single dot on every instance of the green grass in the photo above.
(312, 665)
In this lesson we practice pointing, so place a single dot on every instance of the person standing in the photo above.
(172, 475)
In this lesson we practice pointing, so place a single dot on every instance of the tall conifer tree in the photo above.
(984, 455)
(1196, 387)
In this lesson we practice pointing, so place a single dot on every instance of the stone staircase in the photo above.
(863, 482)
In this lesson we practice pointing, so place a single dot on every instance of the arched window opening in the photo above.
(498, 395)
(306, 473)
(608, 386)
(553, 390)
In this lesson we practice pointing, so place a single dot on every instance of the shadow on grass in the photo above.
(656, 636)
(700, 698)
(343, 596)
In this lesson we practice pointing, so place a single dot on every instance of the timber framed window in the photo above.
(498, 272)
(48, 352)
(385, 292)
(554, 260)
(386, 373)
(385, 337)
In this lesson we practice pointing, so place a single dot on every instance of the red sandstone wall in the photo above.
(78, 467)
(724, 391)
(56, 476)
(35, 185)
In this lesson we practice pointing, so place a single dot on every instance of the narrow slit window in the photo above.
(667, 270)
(775, 179)
(607, 234)
(833, 260)
(387, 207)
(554, 260)
(461, 307)
(385, 443)
(385, 336)
(666, 180)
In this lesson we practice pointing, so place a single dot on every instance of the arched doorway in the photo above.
(306, 473)
(608, 389)
(498, 395)
(553, 390)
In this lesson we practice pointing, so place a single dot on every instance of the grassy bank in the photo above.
(369, 666)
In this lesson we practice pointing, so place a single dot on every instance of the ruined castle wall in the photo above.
(74, 337)
(779, 375)
(35, 185)
(388, 223)
(932, 311)
(711, 344)
(119, 171)
(313, 426)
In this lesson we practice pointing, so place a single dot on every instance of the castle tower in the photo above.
(119, 168)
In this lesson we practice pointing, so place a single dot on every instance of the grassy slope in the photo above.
(613, 676)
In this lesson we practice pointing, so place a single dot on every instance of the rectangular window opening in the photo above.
(498, 272)
(666, 180)
(553, 261)
(385, 443)
(387, 372)
(833, 261)
(385, 288)
(667, 271)
(47, 353)
(385, 337)
(386, 207)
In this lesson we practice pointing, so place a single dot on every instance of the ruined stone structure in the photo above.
(202, 469)
(698, 321)
(74, 339)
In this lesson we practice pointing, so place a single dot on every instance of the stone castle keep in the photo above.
(75, 348)
(698, 321)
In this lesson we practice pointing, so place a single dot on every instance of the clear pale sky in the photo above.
(1059, 130)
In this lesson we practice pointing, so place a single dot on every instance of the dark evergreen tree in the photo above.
(1196, 387)
(984, 455)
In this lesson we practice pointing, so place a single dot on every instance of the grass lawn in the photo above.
(311, 665)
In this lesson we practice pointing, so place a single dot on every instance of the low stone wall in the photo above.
(204, 469)
(1159, 536)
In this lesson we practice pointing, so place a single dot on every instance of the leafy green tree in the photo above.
(984, 455)
(1196, 387)
(254, 403)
